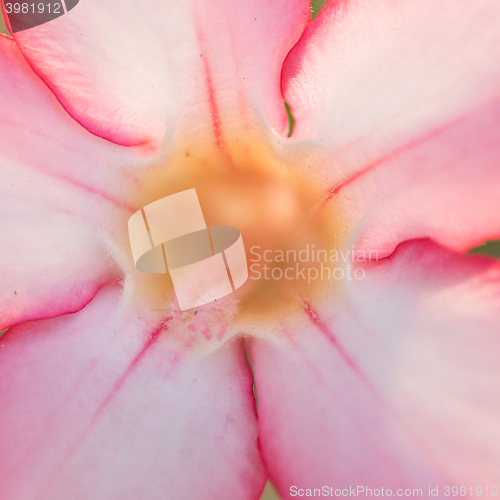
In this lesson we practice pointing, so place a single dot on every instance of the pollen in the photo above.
(288, 230)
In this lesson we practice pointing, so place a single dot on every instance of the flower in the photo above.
(391, 381)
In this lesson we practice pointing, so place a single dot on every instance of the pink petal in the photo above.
(131, 72)
(102, 405)
(405, 98)
(394, 385)
(445, 188)
(63, 195)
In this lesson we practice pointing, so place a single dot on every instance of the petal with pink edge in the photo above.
(101, 405)
(405, 99)
(62, 195)
(131, 72)
(396, 384)
(445, 188)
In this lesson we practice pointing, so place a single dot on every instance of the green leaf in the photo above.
(316, 7)
(291, 119)
(490, 248)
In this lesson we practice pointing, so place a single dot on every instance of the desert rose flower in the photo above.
(378, 369)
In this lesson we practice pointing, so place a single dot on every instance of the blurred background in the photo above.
(491, 248)
(3, 28)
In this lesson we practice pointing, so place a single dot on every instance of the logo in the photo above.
(170, 236)
(26, 15)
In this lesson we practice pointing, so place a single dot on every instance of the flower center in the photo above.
(288, 232)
